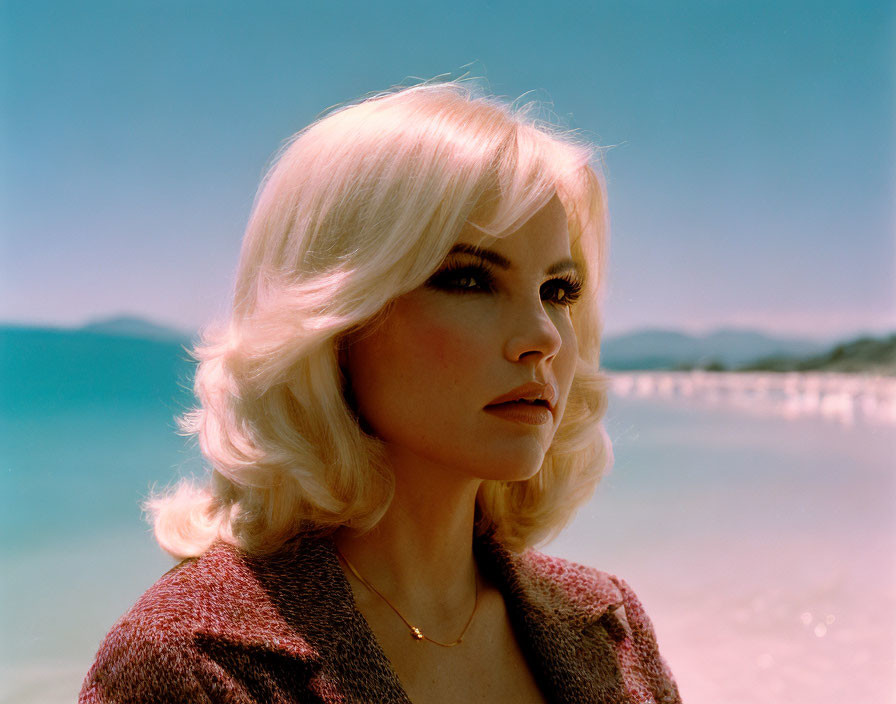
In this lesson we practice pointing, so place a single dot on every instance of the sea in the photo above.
(762, 544)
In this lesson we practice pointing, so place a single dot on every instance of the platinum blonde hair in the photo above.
(359, 208)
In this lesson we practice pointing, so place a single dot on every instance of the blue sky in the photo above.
(751, 168)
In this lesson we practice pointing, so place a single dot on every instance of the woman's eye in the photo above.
(561, 291)
(461, 279)
(472, 279)
(467, 281)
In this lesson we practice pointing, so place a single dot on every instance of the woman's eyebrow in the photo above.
(564, 265)
(482, 253)
(503, 262)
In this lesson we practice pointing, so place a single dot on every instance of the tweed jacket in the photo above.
(232, 628)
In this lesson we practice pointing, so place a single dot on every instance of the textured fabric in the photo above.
(231, 628)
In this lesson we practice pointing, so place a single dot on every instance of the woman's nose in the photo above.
(532, 333)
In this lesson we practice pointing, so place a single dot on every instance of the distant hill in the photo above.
(132, 326)
(866, 354)
(669, 349)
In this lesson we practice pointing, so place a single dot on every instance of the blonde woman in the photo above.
(404, 400)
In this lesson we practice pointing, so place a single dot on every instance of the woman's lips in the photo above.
(529, 392)
(521, 412)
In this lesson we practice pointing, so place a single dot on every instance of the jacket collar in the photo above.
(554, 606)
(300, 596)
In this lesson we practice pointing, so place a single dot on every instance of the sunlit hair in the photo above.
(360, 207)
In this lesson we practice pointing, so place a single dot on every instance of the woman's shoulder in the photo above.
(569, 572)
(609, 608)
(592, 591)
(192, 590)
(136, 660)
(155, 651)
(224, 589)
(572, 584)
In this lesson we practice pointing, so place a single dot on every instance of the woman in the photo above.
(405, 399)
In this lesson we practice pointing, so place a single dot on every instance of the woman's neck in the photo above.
(420, 555)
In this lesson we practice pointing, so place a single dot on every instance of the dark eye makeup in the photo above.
(474, 278)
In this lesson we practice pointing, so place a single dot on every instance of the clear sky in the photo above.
(751, 174)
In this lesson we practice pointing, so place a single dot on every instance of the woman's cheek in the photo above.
(448, 333)
(447, 345)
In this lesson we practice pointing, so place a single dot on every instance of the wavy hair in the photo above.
(359, 208)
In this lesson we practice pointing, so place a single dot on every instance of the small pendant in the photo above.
(416, 634)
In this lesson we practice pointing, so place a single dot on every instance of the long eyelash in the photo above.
(442, 278)
(572, 287)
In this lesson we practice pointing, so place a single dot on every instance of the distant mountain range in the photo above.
(670, 349)
(867, 355)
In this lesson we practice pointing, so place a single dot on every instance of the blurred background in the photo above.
(750, 305)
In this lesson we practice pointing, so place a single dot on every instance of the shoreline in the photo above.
(836, 396)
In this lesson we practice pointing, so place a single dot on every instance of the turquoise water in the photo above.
(86, 426)
(763, 549)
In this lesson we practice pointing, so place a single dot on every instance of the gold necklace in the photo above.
(415, 632)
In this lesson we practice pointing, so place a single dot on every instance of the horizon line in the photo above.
(692, 329)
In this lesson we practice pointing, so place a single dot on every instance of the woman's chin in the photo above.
(513, 471)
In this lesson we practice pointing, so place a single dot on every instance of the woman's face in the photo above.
(493, 318)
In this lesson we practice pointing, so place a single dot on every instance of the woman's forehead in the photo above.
(550, 219)
(539, 244)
